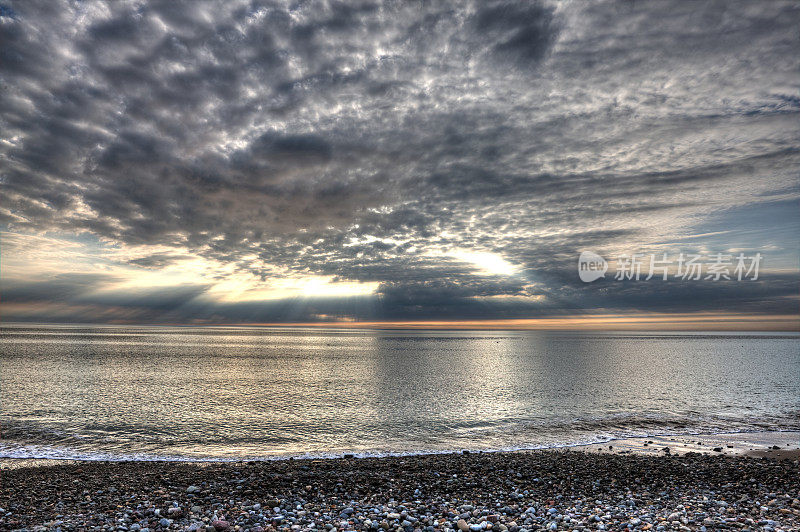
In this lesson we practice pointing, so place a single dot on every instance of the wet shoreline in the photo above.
(459, 492)
(772, 444)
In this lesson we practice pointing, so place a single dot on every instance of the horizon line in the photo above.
(696, 322)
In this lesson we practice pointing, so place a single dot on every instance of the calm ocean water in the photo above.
(248, 393)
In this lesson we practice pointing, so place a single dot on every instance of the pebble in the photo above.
(490, 492)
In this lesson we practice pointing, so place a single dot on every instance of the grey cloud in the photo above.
(289, 129)
(156, 260)
(294, 148)
(520, 30)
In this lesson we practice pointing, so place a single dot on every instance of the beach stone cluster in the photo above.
(476, 492)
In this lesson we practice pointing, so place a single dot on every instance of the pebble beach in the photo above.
(459, 492)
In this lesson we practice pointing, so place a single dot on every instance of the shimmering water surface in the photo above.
(239, 393)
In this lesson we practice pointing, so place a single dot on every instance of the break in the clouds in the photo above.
(256, 161)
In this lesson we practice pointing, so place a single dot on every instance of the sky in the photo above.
(390, 163)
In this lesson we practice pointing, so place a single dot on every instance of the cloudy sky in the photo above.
(289, 162)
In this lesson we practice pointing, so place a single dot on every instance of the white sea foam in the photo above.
(40, 452)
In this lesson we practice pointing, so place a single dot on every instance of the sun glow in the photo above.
(247, 289)
(490, 263)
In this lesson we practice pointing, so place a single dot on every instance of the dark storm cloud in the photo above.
(60, 288)
(772, 294)
(156, 301)
(359, 140)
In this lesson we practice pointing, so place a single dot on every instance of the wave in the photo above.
(32, 440)
(33, 452)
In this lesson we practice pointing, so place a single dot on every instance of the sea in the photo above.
(255, 393)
